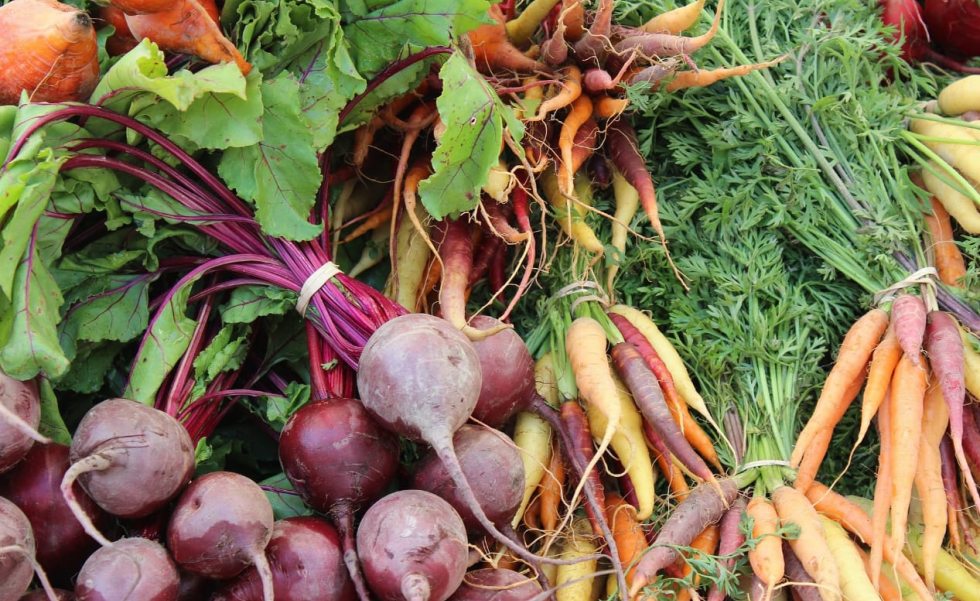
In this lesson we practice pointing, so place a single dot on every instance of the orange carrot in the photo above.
(607, 107)
(580, 112)
(186, 28)
(882, 494)
(883, 363)
(571, 90)
(141, 7)
(886, 588)
(854, 519)
(699, 79)
(493, 51)
(573, 16)
(631, 542)
(947, 257)
(675, 21)
(766, 558)
(811, 545)
(550, 497)
(675, 477)
(907, 393)
(858, 345)
(707, 543)
(532, 515)
(664, 45)
(49, 50)
(929, 479)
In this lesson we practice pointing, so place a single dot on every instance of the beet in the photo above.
(338, 458)
(413, 547)
(130, 458)
(34, 486)
(130, 569)
(491, 464)
(307, 563)
(20, 414)
(59, 594)
(508, 374)
(220, 526)
(17, 544)
(193, 587)
(496, 585)
(906, 17)
(954, 26)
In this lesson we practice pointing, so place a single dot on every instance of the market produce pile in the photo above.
(451, 299)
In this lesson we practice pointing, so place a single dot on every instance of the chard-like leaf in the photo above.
(470, 146)
(280, 175)
(52, 425)
(248, 303)
(28, 324)
(284, 505)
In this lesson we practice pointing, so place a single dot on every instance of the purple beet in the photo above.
(508, 374)
(496, 585)
(20, 414)
(130, 569)
(307, 563)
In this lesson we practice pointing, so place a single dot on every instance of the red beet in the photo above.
(954, 26)
(906, 17)
(130, 569)
(306, 561)
(508, 374)
(34, 486)
(20, 414)
(496, 585)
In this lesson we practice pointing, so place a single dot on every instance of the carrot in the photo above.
(551, 493)
(521, 28)
(957, 146)
(532, 515)
(951, 575)
(907, 393)
(122, 40)
(519, 202)
(571, 89)
(186, 28)
(627, 530)
(49, 50)
(888, 590)
(730, 538)
(682, 380)
(703, 78)
(821, 442)
(859, 342)
(582, 148)
(554, 50)
(675, 21)
(882, 492)
(655, 74)
(650, 400)
(663, 45)
(766, 558)
(698, 438)
(946, 255)
(630, 446)
(909, 322)
(625, 153)
(573, 16)
(950, 485)
(665, 463)
(854, 582)
(607, 107)
(493, 51)
(573, 581)
(929, 480)
(883, 362)
(532, 437)
(960, 96)
(592, 48)
(804, 589)
(960, 206)
(756, 590)
(411, 257)
(627, 202)
(372, 253)
(854, 518)
(577, 426)
(707, 543)
(946, 357)
(371, 220)
(704, 506)
(570, 215)
(811, 546)
(579, 113)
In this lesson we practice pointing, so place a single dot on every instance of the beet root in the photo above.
(508, 374)
(20, 414)
(17, 562)
(412, 546)
(496, 585)
(34, 486)
(130, 458)
(220, 526)
(130, 569)
(493, 467)
(307, 563)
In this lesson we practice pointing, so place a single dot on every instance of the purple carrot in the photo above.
(909, 320)
(730, 539)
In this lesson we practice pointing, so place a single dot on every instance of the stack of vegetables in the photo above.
(246, 249)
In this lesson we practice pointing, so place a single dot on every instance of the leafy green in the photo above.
(280, 174)
(284, 505)
(28, 325)
(52, 425)
(248, 303)
(475, 119)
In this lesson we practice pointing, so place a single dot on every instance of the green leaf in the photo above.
(28, 325)
(225, 352)
(52, 425)
(378, 37)
(329, 79)
(248, 303)
(89, 366)
(162, 346)
(279, 175)
(284, 505)
(119, 313)
(278, 409)
(143, 69)
(470, 146)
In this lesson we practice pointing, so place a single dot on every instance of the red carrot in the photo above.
(731, 538)
(909, 321)
(577, 425)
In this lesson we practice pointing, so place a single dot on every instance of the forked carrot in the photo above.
(855, 351)
(883, 362)
(946, 255)
(550, 495)
(907, 394)
(571, 90)
(766, 558)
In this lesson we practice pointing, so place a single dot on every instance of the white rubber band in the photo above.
(762, 463)
(926, 275)
(312, 285)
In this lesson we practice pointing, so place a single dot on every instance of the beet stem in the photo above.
(343, 518)
(38, 570)
(91, 463)
(23, 427)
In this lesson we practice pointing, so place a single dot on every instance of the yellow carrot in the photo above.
(627, 203)
(854, 582)
(570, 215)
(532, 437)
(675, 21)
(959, 206)
(883, 363)
(959, 147)
(971, 364)
(961, 96)
(574, 582)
